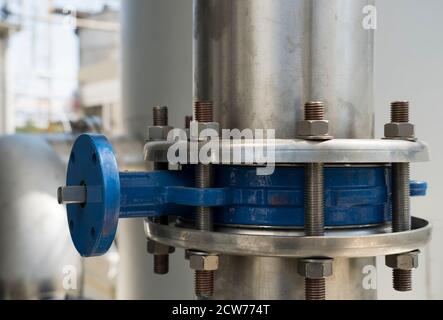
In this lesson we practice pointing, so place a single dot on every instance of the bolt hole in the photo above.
(73, 157)
(71, 225)
(94, 158)
(93, 233)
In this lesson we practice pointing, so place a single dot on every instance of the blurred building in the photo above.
(99, 75)
(6, 110)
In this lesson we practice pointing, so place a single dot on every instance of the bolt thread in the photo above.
(188, 120)
(204, 280)
(315, 289)
(204, 284)
(160, 116)
(401, 217)
(204, 111)
(314, 200)
(161, 264)
(203, 176)
(314, 111)
(402, 280)
(204, 219)
(400, 111)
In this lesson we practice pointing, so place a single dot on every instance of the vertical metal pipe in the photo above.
(260, 60)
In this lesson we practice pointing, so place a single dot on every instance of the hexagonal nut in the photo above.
(315, 268)
(313, 128)
(403, 261)
(203, 262)
(156, 248)
(399, 130)
(198, 127)
(158, 133)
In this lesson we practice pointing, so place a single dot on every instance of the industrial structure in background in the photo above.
(36, 256)
(99, 77)
(338, 197)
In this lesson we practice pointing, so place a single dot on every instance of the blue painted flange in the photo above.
(93, 225)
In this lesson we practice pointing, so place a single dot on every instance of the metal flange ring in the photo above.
(366, 242)
(345, 151)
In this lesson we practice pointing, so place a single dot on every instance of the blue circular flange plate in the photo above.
(93, 225)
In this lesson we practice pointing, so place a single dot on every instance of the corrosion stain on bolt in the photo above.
(160, 116)
(204, 111)
(400, 111)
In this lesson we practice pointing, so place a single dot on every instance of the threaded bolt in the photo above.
(401, 215)
(314, 200)
(161, 264)
(161, 261)
(160, 116)
(315, 110)
(204, 284)
(314, 172)
(402, 280)
(315, 289)
(204, 111)
(400, 112)
(204, 280)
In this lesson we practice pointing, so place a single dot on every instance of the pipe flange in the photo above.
(349, 243)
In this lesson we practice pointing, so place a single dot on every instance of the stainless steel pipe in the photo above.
(261, 60)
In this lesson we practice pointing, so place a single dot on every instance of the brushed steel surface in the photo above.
(261, 60)
(265, 278)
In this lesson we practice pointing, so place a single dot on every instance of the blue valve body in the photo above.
(354, 195)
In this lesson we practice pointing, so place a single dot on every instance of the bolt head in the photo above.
(399, 130)
(315, 268)
(202, 262)
(158, 133)
(403, 261)
(313, 128)
(156, 248)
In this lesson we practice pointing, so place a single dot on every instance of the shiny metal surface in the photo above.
(35, 246)
(72, 195)
(261, 60)
(301, 151)
(258, 278)
(350, 243)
